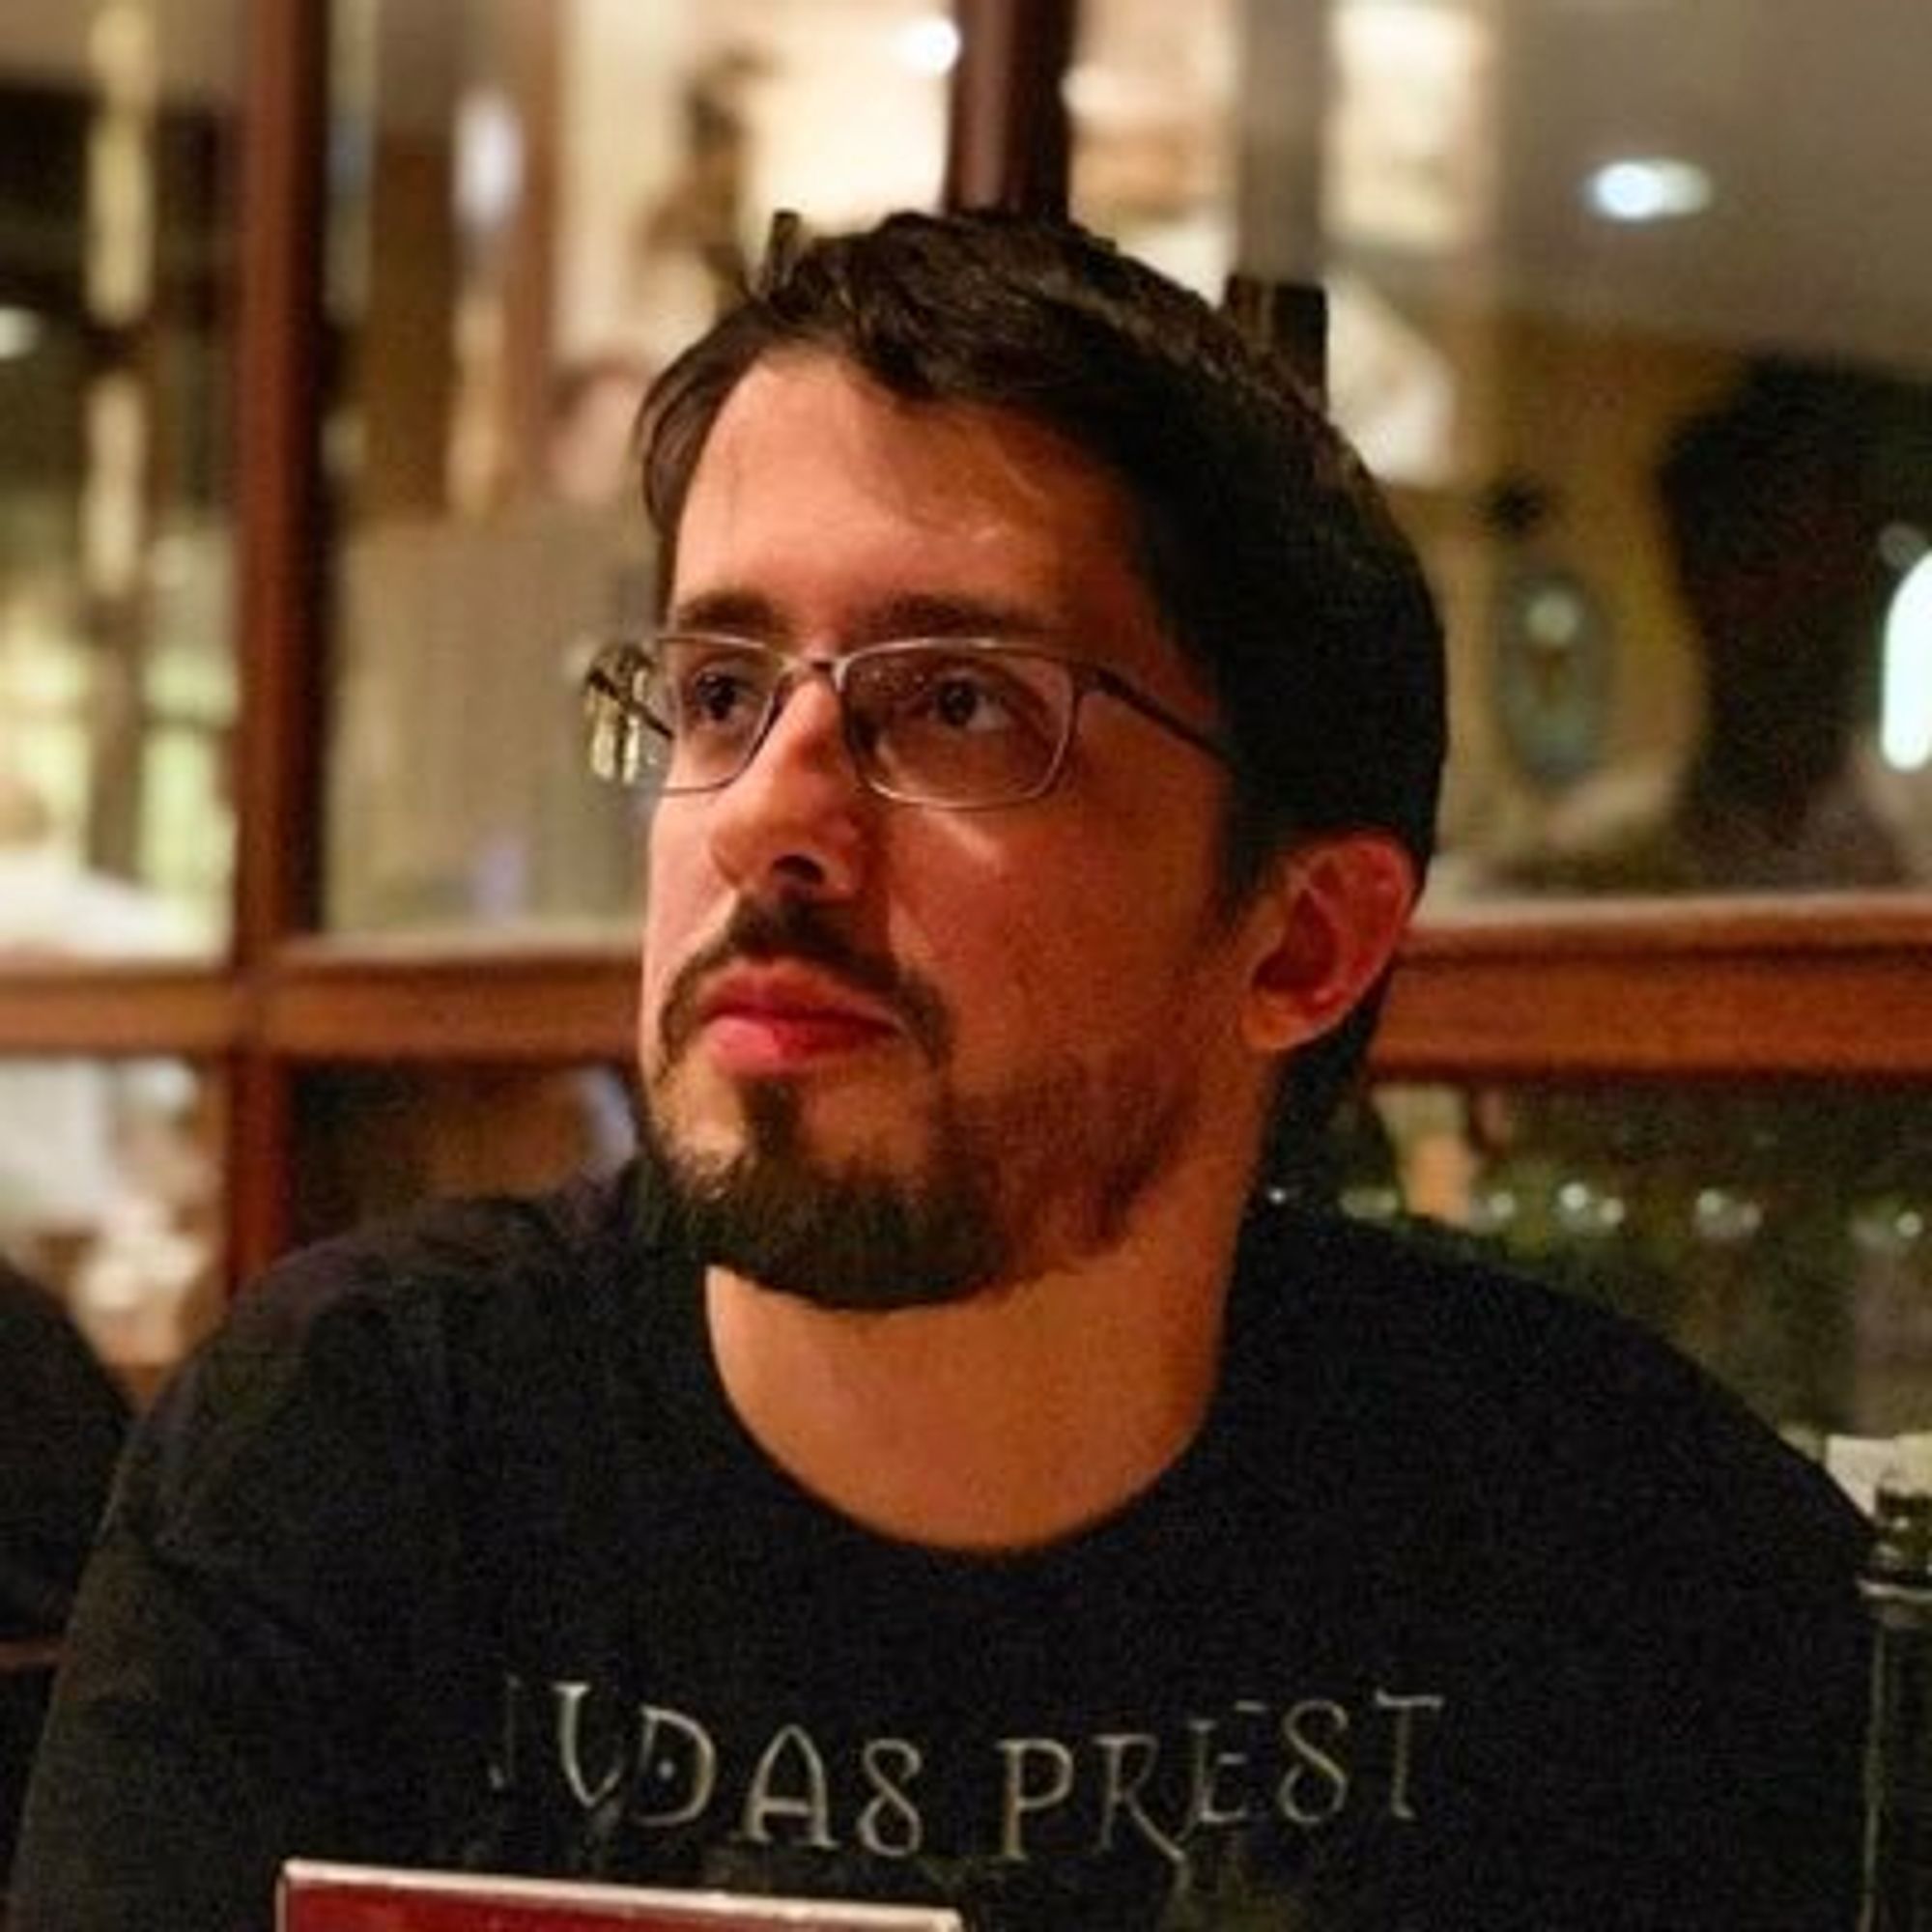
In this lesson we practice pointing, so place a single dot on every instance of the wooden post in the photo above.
(279, 614)
(1008, 139)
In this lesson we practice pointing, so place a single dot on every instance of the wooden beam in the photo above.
(352, 1002)
(193, 1012)
(1835, 986)
(1008, 139)
(280, 527)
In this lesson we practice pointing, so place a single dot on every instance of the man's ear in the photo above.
(1327, 922)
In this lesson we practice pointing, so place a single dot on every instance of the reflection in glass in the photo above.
(374, 1142)
(1610, 289)
(116, 686)
(1769, 509)
(1783, 1238)
(110, 1197)
(532, 209)
(1151, 104)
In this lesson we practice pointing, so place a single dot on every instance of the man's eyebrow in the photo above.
(749, 613)
(739, 614)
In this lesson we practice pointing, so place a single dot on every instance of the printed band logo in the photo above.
(1296, 1767)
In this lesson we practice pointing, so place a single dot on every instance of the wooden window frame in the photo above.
(1830, 988)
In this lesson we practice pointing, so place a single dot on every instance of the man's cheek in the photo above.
(653, 989)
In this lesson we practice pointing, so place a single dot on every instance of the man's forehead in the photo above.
(815, 405)
(818, 487)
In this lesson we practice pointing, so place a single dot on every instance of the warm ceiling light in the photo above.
(1649, 189)
(928, 45)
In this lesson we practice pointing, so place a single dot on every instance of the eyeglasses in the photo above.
(957, 723)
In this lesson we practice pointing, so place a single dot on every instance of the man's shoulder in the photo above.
(1556, 1402)
(1423, 1301)
(457, 1258)
(455, 1299)
(465, 1315)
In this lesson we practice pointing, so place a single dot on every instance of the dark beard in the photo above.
(1042, 1174)
(844, 1240)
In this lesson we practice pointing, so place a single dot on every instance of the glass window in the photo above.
(1152, 101)
(532, 208)
(376, 1140)
(111, 1199)
(117, 669)
(1781, 1236)
(1631, 308)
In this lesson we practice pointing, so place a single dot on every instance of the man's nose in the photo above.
(796, 814)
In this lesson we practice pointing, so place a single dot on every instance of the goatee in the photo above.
(844, 1238)
(993, 1187)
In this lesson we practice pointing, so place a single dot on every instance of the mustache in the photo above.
(764, 932)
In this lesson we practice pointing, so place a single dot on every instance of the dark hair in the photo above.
(1262, 540)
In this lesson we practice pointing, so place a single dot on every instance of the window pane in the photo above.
(533, 207)
(376, 1141)
(116, 670)
(1782, 1236)
(1631, 304)
(111, 1198)
(1153, 99)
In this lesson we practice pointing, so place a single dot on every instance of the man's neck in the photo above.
(1001, 1422)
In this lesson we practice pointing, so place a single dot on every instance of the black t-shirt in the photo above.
(1469, 1606)
(62, 1421)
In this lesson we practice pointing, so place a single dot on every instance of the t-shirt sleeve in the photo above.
(242, 1676)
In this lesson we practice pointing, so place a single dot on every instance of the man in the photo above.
(941, 1471)
(62, 1420)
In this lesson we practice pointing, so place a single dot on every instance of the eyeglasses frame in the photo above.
(1084, 674)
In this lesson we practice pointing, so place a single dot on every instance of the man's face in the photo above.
(894, 1054)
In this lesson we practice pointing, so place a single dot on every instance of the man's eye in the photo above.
(961, 697)
(715, 696)
(970, 701)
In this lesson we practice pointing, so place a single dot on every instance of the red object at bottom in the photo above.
(318, 1898)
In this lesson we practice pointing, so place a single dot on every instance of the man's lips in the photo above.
(781, 1019)
(783, 964)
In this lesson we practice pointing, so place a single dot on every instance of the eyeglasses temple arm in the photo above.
(1115, 686)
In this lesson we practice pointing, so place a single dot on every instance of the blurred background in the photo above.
(322, 327)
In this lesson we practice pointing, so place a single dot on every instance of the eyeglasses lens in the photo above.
(929, 723)
(944, 724)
